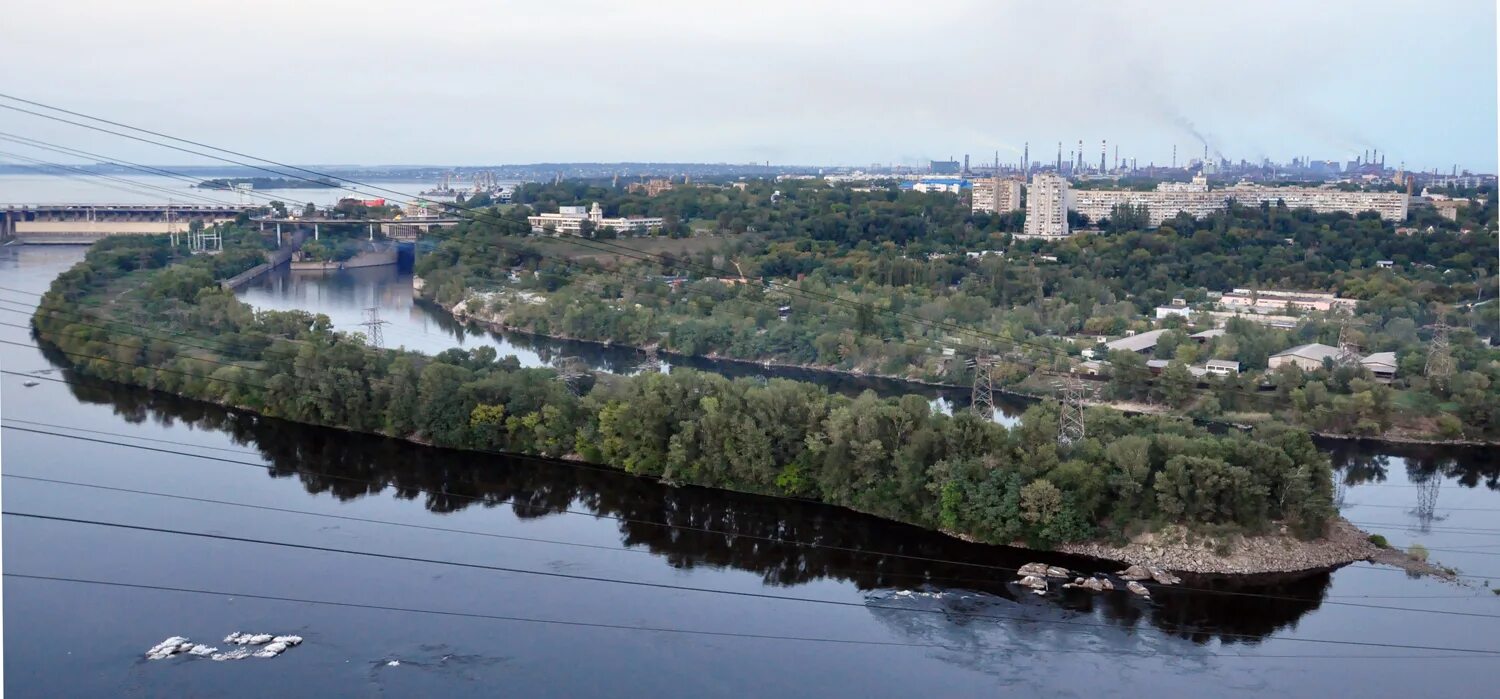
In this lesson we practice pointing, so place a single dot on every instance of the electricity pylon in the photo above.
(1070, 424)
(651, 364)
(982, 397)
(1439, 354)
(373, 325)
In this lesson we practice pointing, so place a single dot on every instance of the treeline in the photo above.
(173, 329)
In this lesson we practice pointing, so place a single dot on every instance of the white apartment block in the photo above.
(1047, 206)
(996, 195)
(569, 219)
(1197, 200)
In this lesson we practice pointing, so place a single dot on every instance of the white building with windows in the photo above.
(996, 195)
(1047, 206)
(1196, 199)
(569, 220)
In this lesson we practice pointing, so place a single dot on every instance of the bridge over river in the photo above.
(78, 224)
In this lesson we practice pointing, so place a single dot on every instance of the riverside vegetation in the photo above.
(891, 258)
(137, 311)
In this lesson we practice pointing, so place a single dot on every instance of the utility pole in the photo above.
(373, 325)
(1070, 425)
(982, 396)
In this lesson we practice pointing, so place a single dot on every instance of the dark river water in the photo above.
(881, 609)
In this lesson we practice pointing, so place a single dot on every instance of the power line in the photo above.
(725, 634)
(772, 539)
(449, 530)
(690, 588)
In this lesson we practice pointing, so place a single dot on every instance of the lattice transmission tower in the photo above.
(1427, 495)
(373, 325)
(1071, 428)
(571, 371)
(982, 396)
(1439, 354)
(1348, 348)
(650, 363)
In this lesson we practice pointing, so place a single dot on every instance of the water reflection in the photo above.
(716, 528)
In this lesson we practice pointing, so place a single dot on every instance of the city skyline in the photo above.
(788, 84)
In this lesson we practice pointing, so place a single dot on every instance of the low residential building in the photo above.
(1275, 321)
(1207, 335)
(569, 220)
(1169, 311)
(1309, 357)
(1222, 367)
(1142, 343)
(1448, 208)
(1382, 365)
(1270, 301)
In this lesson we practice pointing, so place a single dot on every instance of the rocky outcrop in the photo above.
(1176, 549)
(1094, 584)
(1042, 570)
(273, 646)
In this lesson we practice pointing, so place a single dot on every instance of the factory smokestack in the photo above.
(1174, 156)
(1026, 160)
(1059, 157)
(1103, 149)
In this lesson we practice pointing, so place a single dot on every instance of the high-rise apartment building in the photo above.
(1047, 205)
(996, 195)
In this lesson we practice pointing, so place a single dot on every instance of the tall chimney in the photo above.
(1103, 149)
(1026, 160)
(1059, 156)
(1174, 156)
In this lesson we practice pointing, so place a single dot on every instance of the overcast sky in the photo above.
(487, 81)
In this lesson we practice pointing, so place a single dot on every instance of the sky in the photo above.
(789, 82)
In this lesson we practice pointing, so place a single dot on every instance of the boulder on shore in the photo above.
(1138, 589)
(1038, 569)
(1091, 584)
(1135, 572)
(1034, 582)
(1042, 570)
(1163, 577)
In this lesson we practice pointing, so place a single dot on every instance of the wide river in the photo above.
(422, 572)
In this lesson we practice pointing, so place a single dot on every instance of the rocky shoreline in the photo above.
(1175, 549)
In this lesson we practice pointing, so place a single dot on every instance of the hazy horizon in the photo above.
(464, 82)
